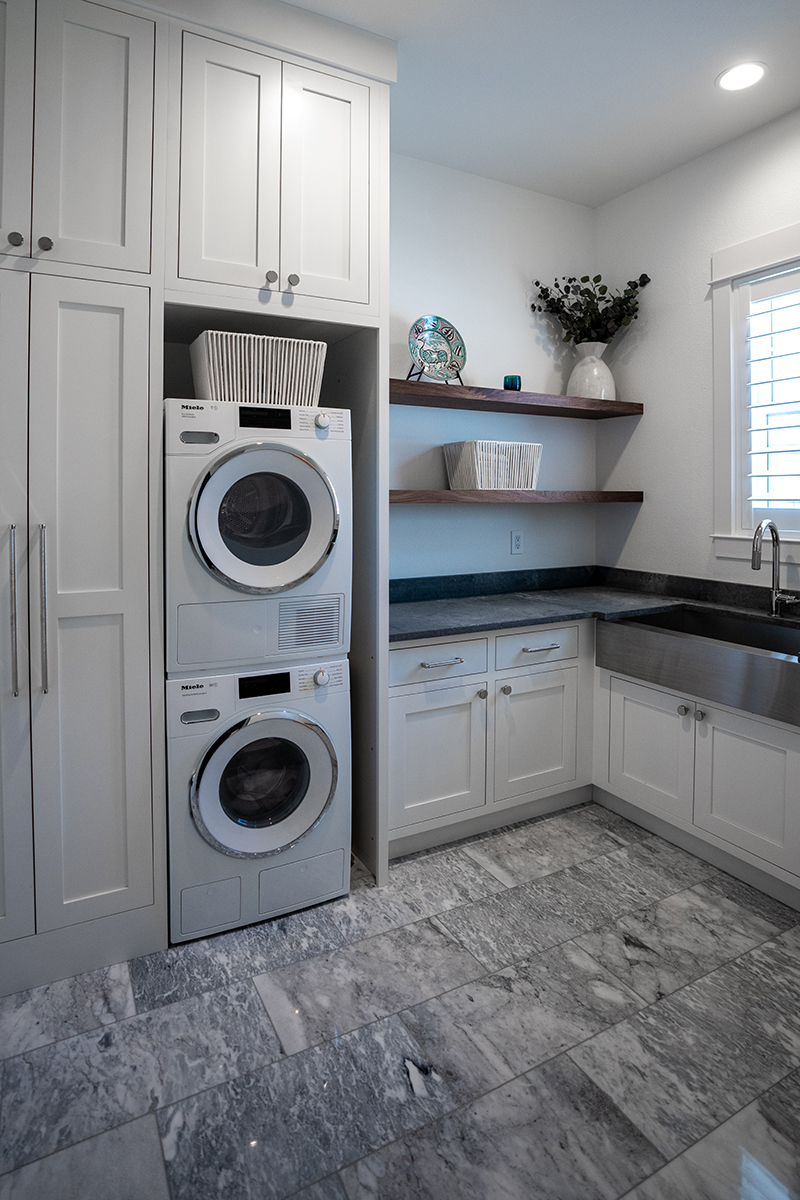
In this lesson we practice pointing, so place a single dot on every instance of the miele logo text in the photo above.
(191, 687)
(192, 406)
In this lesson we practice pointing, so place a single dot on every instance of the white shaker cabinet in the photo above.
(83, 544)
(536, 725)
(706, 768)
(16, 818)
(437, 753)
(651, 748)
(747, 784)
(92, 109)
(274, 174)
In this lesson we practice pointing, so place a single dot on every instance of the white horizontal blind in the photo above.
(771, 444)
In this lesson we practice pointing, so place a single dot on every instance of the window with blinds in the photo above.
(770, 420)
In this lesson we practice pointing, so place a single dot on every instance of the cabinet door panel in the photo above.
(92, 165)
(325, 185)
(651, 751)
(535, 732)
(16, 844)
(437, 754)
(89, 487)
(747, 786)
(16, 122)
(230, 163)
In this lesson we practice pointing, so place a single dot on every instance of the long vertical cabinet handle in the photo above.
(44, 610)
(14, 654)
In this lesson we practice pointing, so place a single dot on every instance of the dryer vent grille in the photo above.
(313, 623)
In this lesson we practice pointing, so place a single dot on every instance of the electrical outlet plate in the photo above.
(516, 541)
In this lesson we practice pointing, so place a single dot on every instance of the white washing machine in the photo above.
(259, 794)
(258, 538)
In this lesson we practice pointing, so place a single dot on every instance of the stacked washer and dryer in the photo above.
(258, 546)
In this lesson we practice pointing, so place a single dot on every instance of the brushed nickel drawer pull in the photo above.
(699, 715)
(683, 710)
(540, 649)
(483, 694)
(45, 681)
(506, 690)
(14, 657)
(444, 662)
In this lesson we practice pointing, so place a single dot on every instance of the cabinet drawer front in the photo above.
(530, 649)
(437, 755)
(421, 664)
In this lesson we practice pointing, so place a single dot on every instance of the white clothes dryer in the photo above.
(259, 794)
(258, 538)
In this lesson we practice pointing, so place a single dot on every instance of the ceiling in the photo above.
(580, 99)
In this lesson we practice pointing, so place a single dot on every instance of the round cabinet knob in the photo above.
(294, 280)
(15, 239)
(321, 678)
(483, 694)
(506, 689)
(699, 715)
(322, 420)
(45, 243)
(683, 710)
(272, 276)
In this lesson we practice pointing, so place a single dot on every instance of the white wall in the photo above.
(669, 228)
(468, 248)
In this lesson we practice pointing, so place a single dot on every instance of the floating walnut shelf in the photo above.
(492, 496)
(480, 399)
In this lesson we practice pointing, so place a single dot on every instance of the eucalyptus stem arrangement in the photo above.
(586, 309)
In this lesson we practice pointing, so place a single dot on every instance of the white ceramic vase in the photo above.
(591, 378)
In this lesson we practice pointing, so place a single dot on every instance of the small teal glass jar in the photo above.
(512, 383)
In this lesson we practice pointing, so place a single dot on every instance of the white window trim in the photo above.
(757, 254)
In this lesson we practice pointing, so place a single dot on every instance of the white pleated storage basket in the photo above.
(500, 465)
(252, 369)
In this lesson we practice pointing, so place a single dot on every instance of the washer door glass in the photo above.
(264, 784)
(264, 518)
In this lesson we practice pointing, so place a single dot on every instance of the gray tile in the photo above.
(659, 949)
(122, 1164)
(196, 967)
(313, 1001)
(549, 1135)
(756, 902)
(60, 1010)
(61, 1094)
(327, 1189)
(685, 1064)
(489, 1031)
(616, 826)
(506, 928)
(532, 851)
(755, 1154)
(418, 887)
(269, 1134)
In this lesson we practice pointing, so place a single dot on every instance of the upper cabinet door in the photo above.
(16, 124)
(230, 163)
(93, 147)
(325, 186)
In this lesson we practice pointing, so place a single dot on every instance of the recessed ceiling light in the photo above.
(742, 76)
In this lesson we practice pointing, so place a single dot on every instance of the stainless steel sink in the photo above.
(734, 660)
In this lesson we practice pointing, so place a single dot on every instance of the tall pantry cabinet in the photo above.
(77, 868)
(113, 214)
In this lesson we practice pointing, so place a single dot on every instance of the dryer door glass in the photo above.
(264, 518)
(264, 782)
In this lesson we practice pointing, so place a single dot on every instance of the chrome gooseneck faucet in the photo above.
(755, 562)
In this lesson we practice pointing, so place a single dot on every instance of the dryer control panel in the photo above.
(201, 427)
(198, 705)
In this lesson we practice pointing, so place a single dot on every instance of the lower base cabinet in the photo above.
(457, 745)
(725, 773)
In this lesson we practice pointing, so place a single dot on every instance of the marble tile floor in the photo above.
(567, 1009)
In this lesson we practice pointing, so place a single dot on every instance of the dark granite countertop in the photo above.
(510, 610)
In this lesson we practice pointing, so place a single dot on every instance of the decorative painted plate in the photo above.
(437, 347)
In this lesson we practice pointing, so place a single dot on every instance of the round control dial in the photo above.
(321, 678)
(322, 420)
